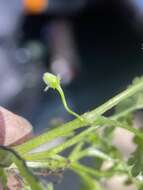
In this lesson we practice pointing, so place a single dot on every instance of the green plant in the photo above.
(53, 82)
(86, 143)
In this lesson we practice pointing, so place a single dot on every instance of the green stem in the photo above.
(117, 99)
(25, 173)
(60, 90)
(79, 137)
(85, 169)
(79, 167)
(53, 163)
(112, 122)
(87, 181)
(124, 113)
(76, 151)
(61, 131)
(75, 124)
(60, 147)
(91, 152)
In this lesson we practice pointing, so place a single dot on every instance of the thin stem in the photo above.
(91, 152)
(61, 147)
(19, 162)
(112, 122)
(76, 151)
(124, 113)
(60, 90)
(85, 169)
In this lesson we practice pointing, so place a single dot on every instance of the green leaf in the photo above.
(3, 177)
(136, 159)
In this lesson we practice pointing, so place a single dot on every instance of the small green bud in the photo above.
(52, 81)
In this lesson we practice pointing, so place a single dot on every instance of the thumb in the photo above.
(14, 129)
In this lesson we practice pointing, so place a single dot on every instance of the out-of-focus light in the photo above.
(22, 55)
(36, 49)
(63, 68)
(32, 51)
(10, 17)
(35, 6)
(65, 6)
(138, 7)
(10, 80)
(140, 177)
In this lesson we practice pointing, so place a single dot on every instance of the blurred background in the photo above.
(96, 46)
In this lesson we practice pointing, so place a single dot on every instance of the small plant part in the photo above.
(54, 82)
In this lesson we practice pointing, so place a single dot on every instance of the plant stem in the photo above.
(75, 124)
(91, 152)
(115, 100)
(60, 90)
(61, 147)
(61, 131)
(85, 169)
(78, 138)
(115, 123)
(24, 171)
(124, 113)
